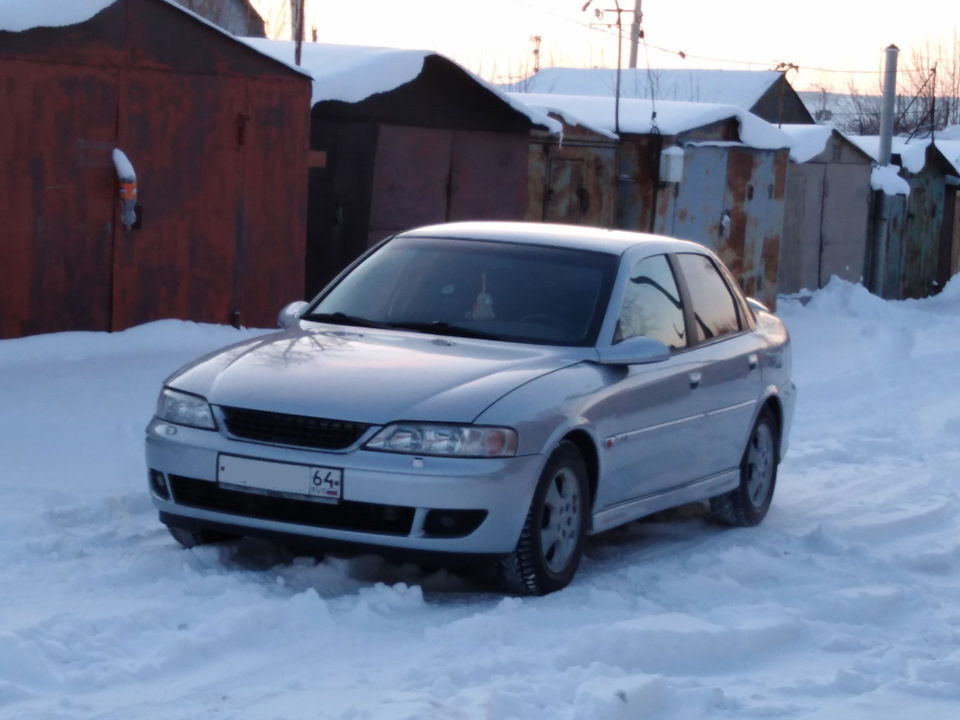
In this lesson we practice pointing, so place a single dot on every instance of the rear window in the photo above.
(714, 308)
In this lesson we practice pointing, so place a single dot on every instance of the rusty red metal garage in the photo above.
(218, 134)
(401, 138)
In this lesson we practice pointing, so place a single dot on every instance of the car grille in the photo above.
(298, 430)
(345, 515)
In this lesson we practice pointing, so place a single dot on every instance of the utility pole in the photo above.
(619, 25)
(635, 33)
(299, 30)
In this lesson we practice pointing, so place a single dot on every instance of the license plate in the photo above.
(315, 481)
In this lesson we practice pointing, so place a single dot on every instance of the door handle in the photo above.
(753, 360)
(695, 379)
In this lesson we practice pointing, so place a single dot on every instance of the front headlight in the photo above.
(450, 440)
(182, 408)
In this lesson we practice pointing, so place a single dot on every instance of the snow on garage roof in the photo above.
(913, 153)
(808, 141)
(19, 15)
(673, 118)
(352, 73)
(742, 88)
(811, 140)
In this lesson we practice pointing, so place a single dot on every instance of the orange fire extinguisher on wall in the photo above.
(127, 178)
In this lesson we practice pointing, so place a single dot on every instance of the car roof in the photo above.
(613, 242)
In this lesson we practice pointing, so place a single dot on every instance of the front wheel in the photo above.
(749, 502)
(551, 543)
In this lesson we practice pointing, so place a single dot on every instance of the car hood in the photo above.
(370, 376)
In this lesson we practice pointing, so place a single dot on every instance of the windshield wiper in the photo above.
(438, 327)
(339, 318)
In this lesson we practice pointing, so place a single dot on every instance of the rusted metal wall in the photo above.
(340, 191)
(825, 219)
(271, 238)
(430, 175)
(410, 179)
(731, 199)
(488, 175)
(846, 206)
(58, 190)
(756, 182)
(637, 189)
(802, 225)
(885, 255)
(694, 208)
(218, 136)
(572, 181)
(380, 179)
(954, 236)
(921, 234)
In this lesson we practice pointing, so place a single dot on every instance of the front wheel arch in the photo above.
(551, 543)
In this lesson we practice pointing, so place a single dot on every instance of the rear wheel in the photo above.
(749, 502)
(193, 538)
(551, 543)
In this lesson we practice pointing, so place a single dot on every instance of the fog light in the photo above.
(158, 484)
(452, 523)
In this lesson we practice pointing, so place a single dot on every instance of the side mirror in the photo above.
(290, 314)
(639, 350)
(756, 305)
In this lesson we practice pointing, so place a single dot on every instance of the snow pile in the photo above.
(123, 166)
(913, 153)
(887, 178)
(636, 116)
(807, 141)
(843, 605)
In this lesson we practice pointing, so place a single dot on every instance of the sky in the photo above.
(494, 38)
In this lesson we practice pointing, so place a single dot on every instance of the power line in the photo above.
(685, 55)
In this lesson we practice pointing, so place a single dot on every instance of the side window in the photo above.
(714, 309)
(651, 304)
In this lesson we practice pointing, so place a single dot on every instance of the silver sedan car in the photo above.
(484, 392)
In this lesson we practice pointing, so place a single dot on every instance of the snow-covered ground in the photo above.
(843, 605)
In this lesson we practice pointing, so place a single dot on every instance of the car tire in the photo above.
(748, 503)
(551, 543)
(193, 538)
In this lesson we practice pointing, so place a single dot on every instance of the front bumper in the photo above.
(396, 502)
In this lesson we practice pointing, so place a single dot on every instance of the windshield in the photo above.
(474, 288)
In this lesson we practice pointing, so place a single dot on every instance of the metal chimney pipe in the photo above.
(635, 33)
(887, 108)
